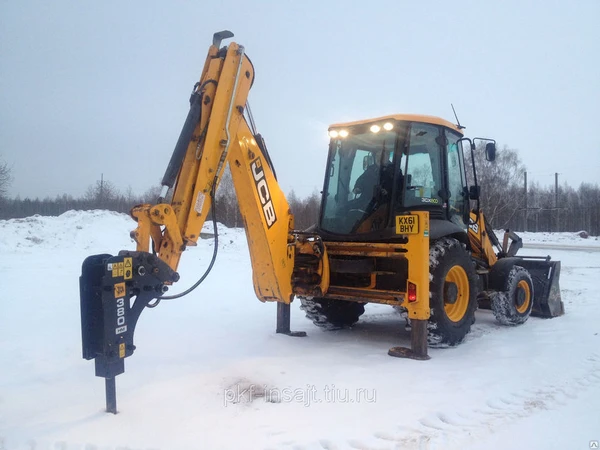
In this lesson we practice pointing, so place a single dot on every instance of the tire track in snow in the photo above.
(444, 430)
(435, 431)
(37, 444)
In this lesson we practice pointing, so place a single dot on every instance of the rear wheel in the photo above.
(512, 299)
(332, 314)
(453, 293)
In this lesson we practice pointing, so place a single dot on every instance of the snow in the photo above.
(552, 240)
(209, 371)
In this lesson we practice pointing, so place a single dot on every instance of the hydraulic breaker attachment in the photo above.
(114, 290)
(546, 290)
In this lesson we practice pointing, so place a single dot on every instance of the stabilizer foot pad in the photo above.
(404, 352)
(293, 333)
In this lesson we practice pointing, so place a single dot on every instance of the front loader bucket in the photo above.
(545, 275)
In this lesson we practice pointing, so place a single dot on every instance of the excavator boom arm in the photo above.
(216, 133)
(114, 290)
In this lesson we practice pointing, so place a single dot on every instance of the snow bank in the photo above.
(562, 239)
(98, 231)
(87, 230)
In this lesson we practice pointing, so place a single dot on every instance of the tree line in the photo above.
(503, 199)
(101, 195)
(509, 204)
(105, 195)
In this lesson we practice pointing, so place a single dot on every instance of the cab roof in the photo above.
(401, 117)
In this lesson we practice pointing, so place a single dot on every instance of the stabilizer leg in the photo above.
(283, 321)
(418, 343)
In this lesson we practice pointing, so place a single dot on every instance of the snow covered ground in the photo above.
(209, 371)
(556, 240)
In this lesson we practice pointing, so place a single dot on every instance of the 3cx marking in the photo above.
(262, 188)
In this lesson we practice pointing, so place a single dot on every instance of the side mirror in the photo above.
(474, 192)
(490, 151)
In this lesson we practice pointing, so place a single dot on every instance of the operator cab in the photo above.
(384, 167)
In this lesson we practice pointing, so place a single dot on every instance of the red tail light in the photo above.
(412, 292)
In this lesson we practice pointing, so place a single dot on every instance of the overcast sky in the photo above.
(102, 87)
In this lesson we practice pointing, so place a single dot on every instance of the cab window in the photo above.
(423, 169)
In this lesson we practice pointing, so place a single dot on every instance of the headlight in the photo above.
(375, 128)
(333, 134)
(343, 133)
(388, 126)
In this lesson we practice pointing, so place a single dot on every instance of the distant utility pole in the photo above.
(556, 201)
(525, 209)
(101, 188)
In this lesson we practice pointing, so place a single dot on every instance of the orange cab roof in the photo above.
(406, 117)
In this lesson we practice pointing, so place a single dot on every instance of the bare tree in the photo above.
(228, 211)
(306, 210)
(5, 178)
(102, 194)
(152, 193)
(501, 184)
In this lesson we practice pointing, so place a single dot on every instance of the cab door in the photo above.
(458, 201)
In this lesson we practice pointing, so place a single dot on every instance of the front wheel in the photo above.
(512, 300)
(453, 293)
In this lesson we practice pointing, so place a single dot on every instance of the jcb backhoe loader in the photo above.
(395, 227)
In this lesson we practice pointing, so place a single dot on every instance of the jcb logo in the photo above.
(262, 188)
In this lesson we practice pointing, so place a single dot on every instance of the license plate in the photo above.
(407, 224)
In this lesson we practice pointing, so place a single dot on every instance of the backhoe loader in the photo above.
(396, 227)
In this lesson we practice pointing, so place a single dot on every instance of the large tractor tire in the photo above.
(512, 297)
(332, 314)
(453, 293)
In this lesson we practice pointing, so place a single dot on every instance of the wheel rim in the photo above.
(523, 297)
(457, 309)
